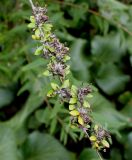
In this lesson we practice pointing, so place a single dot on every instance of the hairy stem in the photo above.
(99, 155)
(32, 5)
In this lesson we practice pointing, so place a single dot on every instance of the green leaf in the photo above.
(8, 147)
(89, 154)
(110, 79)
(6, 97)
(80, 120)
(40, 146)
(74, 113)
(50, 93)
(46, 73)
(92, 138)
(89, 96)
(127, 110)
(74, 90)
(53, 125)
(54, 86)
(104, 48)
(38, 50)
(31, 25)
(66, 84)
(37, 33)
(105, 113)
(66, 58)
(43, 115)
(105, 143)
(79, 63)
(32, 19)
(34, 101)
(71, 107)
(86, 104)
(73, 100)
(47, 27)
(34, 64)
(128, 146)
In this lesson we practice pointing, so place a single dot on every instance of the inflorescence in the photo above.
(57, 55)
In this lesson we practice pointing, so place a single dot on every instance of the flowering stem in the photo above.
(32, 5)
(76, 96)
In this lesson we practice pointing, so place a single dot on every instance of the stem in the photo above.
(100, 157)
(39, 27)
(31, 2)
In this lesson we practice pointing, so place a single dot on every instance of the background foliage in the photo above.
(99, 34)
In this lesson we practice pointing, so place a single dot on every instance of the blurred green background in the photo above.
(99, 35)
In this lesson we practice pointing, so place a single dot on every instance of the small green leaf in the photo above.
(80, 120)
(89, 96)
(66, 58)
(54, 86)
(50, 93)
(86, 104)
(51, 49)
(66, 84)
(32, 19)
(53, 125)
(105, 143)
(38, 50)
(74, 90)
(67, 70)
(74, 113)
(73, 101)
(46, 73)
(71, 107)
(47, 27)
(96, 127)
(37, 33)
(31, 25)
(93, 138)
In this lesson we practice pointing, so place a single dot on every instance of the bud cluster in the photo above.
(57, 55)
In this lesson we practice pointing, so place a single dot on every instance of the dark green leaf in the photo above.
(44, 147)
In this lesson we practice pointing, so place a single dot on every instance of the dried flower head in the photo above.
(57, 69)
(40, 16)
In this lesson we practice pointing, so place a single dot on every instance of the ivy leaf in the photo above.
(40, 146)
(8, 148)
(113, 81)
